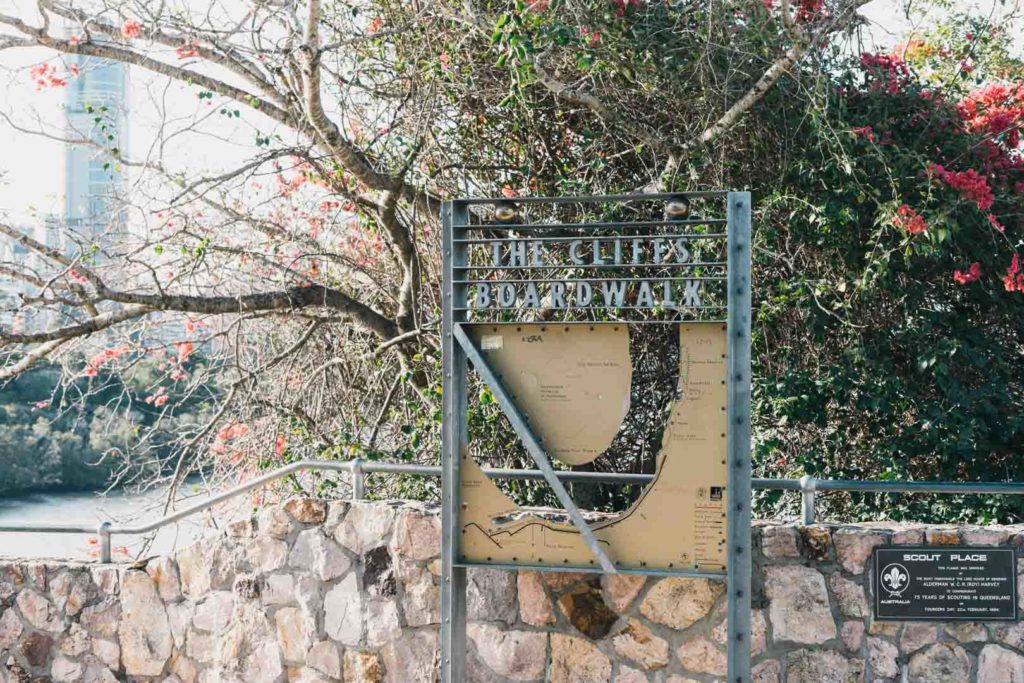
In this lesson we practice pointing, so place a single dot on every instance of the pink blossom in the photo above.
(186, 50)
(184, 351)
(972, 273)
(375, 26)
(864, 132)
(279, 444)
(909, 220)
(970, 183)
(994, 222)
(131, 29)
(1014, 279)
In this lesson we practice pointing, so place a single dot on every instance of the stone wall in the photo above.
(315, 592)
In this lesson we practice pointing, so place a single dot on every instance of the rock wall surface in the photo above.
(324, 592)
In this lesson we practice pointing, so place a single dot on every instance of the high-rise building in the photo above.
(97, 109)
(94, 182)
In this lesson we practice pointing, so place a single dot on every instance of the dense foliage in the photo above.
(892, 321)
(888, 218)
(80, 436)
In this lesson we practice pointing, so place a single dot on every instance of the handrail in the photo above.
(359, 468)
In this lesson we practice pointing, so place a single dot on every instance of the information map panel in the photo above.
(945, 583)
(573, 384)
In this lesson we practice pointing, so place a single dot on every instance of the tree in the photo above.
(314, 260)
(308, 271)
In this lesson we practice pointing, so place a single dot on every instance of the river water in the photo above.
(91, 509)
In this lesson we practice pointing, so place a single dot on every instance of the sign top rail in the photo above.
(593, 199)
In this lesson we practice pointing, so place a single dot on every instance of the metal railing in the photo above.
(358, 468)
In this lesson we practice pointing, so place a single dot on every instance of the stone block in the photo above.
(577, 660)
(315, 552)
(585, 609)
(343, 612)
(799, 610)
(517, 655)
(849, 596)
(916, 635)
(817, 543)
(821, 666)
(622, 589)
(165, 573)
(144, 632)
(366, 526)
(942, 536)
(679, 602)
(699, 655)
(854, 547)
(779, 542)
(306, 510)
(491, 595)
(640, 645)
(882, 656)
(998, 665)
(534, 604)
(852, 635)
(940, 663)
(417, 535)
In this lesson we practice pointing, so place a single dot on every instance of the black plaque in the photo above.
(946, 583)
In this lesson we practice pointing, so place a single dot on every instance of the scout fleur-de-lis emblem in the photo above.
(895, 579)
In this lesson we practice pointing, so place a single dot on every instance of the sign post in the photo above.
(545, 298)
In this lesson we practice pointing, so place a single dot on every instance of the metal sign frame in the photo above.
(458, 350)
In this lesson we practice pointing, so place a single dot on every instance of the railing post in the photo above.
(104, 533)
(808, 485)
(358, 479)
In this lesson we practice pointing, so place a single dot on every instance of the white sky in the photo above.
(31, 168)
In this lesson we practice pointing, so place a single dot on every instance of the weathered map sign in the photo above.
(551, 304)
(574, 383)
(947, 583)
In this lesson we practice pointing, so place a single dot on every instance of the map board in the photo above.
(573, 384)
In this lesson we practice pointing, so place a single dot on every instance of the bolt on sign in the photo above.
(601, 326)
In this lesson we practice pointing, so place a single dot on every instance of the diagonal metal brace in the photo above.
(532, 446)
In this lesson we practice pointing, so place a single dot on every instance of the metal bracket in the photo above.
(532, 446)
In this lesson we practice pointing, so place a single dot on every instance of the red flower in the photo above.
(507, 191)
(807, 9)
(864, 132)
(970, 275)
(995, 223)
(885, 72)
(279, 444)
(909, 220)
(46, 76)
(970, 183)
(592, 38)
(186, 50)
(184, 351)
(995, 109)
(375, 26)
(131, 29)
(1014, 279)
